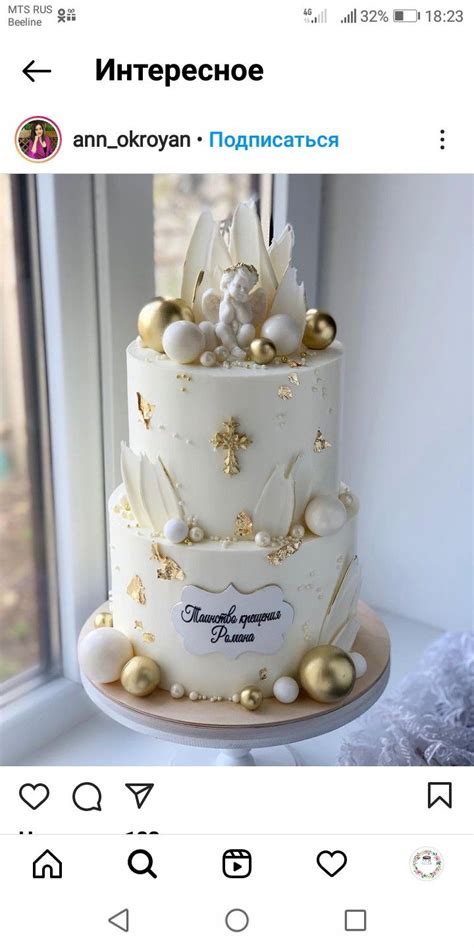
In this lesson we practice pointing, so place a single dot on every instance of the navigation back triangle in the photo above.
(140, 791)
(120, 920)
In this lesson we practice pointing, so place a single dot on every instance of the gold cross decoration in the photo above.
(232, 441)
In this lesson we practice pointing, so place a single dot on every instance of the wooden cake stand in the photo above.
(234, 731)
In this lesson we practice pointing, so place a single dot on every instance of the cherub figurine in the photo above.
(236, 308)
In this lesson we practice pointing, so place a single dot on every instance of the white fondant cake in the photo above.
(217, 574)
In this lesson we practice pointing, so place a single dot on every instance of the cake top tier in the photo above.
(239, 300)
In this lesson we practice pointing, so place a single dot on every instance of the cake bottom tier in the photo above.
(217, 619)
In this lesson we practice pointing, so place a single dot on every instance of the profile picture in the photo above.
(38, 138)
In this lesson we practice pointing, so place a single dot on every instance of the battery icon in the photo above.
(406, 16)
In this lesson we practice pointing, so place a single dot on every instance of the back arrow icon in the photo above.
(27, 71)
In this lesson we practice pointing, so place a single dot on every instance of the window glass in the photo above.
(24, 645)
(178, 201)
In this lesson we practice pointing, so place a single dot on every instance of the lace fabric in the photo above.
(429, 720)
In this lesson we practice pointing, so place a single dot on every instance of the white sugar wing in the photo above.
(281, 250)
(290, 299)
(248, 246)
(343, 605)
(130, 464)
(303, 474)
(345, 638)
(275, 507)
(196, 256)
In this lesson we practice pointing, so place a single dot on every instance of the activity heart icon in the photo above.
(331, 863)
(34, 794)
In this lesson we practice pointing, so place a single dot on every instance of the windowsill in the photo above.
(100, 741)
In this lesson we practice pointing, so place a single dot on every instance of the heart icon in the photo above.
(331, 863)
(34, 794)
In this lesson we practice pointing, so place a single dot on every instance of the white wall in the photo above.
(395, 271)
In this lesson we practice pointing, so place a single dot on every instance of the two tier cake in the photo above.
(233, 540)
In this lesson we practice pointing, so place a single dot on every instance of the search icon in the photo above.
(141, 868)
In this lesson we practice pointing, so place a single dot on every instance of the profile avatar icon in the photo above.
(38, 138)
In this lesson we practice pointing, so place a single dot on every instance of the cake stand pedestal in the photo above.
(237, 734)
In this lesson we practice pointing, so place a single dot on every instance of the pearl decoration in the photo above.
(263, 538)
(103, 654)
(175, 530)
(251, 697)
(194, 696)
(262, 351)
(286, 689)
(196, 534)
(325, 515)
(177, 690)
(284, 332)
(208, 359)
(298, 531)
(221, 353)
(183, 342)
(359, 662)
(235, 698)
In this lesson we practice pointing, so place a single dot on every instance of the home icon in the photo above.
(47, 865)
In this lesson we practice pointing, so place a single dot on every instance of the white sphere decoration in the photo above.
(325, 514)
(175, 530)
(194, 696)
(103, 654)
(183, 342)
(359, 662)
(284, 332)
(286, 689)
(177, 690)
(236, 698)
(196, 534)
(208, 359)
(263, 538)
(297, 531)
(208, 331)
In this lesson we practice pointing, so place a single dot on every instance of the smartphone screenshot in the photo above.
(236, 478)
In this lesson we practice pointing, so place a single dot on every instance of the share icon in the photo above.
(141, 792)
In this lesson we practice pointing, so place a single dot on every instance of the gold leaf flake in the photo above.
(294, 378)
(145, 409)
(289, 546)
(137, 624)
(294, 364)
(263, 674)
(232, 441)
(243, 526)
(183, 377)
(136, 590)
(148, 637)
(285, 392)
(320, 443)
(168, 568)
(117, 508)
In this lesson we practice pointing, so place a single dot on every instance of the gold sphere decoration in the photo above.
(320, 329)
(103, 619)
(140, 676)
(262, 351)
(251, 697)
(157, 315)
(327, 673)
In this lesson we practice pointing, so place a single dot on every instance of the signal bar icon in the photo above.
(321, 17)
(350, 17)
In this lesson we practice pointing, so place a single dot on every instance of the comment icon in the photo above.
(87, 796)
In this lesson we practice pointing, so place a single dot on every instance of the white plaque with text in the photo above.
(232, 622)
